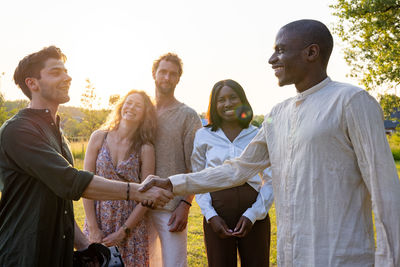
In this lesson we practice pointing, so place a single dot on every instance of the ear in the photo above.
(32, 84)
(312, 51)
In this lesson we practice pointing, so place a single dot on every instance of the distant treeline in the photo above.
(77, 123)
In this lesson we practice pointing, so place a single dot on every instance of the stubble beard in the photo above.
(165, 91)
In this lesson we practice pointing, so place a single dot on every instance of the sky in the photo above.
(114, 44)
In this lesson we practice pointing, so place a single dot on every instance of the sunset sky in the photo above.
(114, 43)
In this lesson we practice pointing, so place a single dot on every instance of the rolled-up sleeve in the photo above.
(28, 151)
(365, 125)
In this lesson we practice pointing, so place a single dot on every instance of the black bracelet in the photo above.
(127, 192)
(187, 202)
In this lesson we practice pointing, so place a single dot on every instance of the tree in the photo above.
(371, 32)
(92, 119)
(257, 120)
(390, 104)
(112, 100)
(3, 110)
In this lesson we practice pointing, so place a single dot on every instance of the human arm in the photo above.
(89, 164)
(199, 162)
(147, 156)
(259, 209)
(37, 157)
(105, 189)
(364, 120)
(179, 217)
(80, 240)
(234, 172)
(202, 144)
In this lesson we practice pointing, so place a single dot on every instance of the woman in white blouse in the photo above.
(235, 219)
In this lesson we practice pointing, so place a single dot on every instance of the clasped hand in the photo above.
(219, 226)
(151, 183)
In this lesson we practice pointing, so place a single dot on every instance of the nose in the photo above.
(273, 59)
(167, 76)
(228, 103)
(67, 77)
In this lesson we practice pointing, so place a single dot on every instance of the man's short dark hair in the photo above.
(31, 65)
(313, 32)
(171, 57)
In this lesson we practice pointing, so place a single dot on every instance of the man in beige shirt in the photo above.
(176, 128)
(330, 160)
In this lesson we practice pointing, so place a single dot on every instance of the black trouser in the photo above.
(253, 249)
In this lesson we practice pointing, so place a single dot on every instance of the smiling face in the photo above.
(166, 77)
(133, 108)
(54, 82)
(227, 103)
(288, 59)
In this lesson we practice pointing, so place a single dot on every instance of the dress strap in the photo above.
(104, 139)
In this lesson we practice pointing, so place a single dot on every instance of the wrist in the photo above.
(185, 203)
(125, 229)
(93, 228)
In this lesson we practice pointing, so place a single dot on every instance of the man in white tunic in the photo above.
(330, 160)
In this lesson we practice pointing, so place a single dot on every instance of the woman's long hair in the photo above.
(244, 113)
(145, 133)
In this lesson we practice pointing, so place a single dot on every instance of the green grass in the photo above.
(394, 142)
(196, 250)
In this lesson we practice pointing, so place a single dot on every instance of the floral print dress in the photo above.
(112, 214)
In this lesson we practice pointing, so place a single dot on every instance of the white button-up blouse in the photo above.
(212, 148)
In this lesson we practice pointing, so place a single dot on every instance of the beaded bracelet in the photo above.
(127, 192)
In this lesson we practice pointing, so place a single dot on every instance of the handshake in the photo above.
(155, 192)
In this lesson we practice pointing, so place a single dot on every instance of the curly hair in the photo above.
(171, 57)
(31, 65)
(244, 113)
(145, 134)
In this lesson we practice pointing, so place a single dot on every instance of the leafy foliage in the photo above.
(3, 111)
(113, 99)
(257, 120)
(390, 103)
(92, 118)
(371, 30)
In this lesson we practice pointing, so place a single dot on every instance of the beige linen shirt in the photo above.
(176, 128)
(331, 165)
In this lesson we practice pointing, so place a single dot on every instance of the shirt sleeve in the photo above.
(235, 172)
(199, 163)
(265, 198)
(366, 131)
(28, 151)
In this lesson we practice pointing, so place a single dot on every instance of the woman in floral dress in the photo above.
(122, 150)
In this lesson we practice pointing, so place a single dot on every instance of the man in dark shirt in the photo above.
(37, 226)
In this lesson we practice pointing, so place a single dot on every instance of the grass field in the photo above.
(196, 249)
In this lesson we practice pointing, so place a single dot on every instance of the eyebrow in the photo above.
(58, 68)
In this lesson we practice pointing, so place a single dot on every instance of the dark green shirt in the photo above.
(36, 212)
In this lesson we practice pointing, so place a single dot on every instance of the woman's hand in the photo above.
(95, 235)
(243, 227)
(219, 226)
(115, 238)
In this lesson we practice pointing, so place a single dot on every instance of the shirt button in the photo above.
(63, 236)
(52, 123)
(65, 212)
(47, 111)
